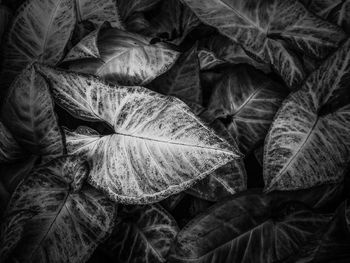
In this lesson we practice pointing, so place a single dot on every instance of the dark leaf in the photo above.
(9, 149)
(5, 16)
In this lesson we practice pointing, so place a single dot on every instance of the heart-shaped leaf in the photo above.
(142, 234)
(5, 16)
(51, 219)
(9, 148)
(98, 12)
(182, 80)
(335, 11)
(123, 58)
(248, 100)
(246, 229)
(28, 113)
(266, 29)
(218, 49)
(156, 151)
(308, 143)
(39, 32)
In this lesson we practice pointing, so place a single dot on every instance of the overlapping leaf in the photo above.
(9, 148)
(248, 100)
(266, 29)
(98, 12)
(142, 234)
(39, 32)
(156, 151)
(121, 57)
(182, 80)
(246, 229)
(309, 143)
(51, 219)
(335, 11)
(29, 114)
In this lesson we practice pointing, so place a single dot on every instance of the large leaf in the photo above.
(98, 12)
(308, 143)
(39, 32)
(158, 147)
(335, 11)
(9, 148)
(29, 114)
(121, 57)
(142, 234)
(5, 16)
(50, 218)
(218, 50)
(264, 28)
(248, 100)
(246, 229)
(182, 80)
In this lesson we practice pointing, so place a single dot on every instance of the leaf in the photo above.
(142, 234)
(50, 218)
(335, 11)
(174, 21)
(218, 49)
(121, 57)
(245, 229)
(4, 198)
(156, 151)
(248, 100)
(98, 12)
(182, 80)
(9, 148)
(272, 25)
(28, 112)
(172, 201)
(5, 16)
(308, 143)
(39, 32)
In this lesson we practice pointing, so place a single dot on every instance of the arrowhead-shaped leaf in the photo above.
(249, 101)
(142, 234)
(98, 12)
(159, 147)
(308, 143)
(121, 57)
(267, 28)
(9, 148)
(50, 219)
(28, 113)
(246, 229)
(39, 32)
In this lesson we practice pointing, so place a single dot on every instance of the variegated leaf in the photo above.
(249, 101)
(39, 32)
(245, 229)
(5, 16)
(28, 112)
(9, 148)
(218, 49)
(98, 12)
(335, 11)
(309, 143)
(159, 147)
(124, 58)
(182, 80)
(50, 218)
(142, 234)
(261, 27)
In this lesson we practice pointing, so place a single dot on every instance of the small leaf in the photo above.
(50, 219)
(98, 12)
(28, 113)
(159, 147)
(264, 28)
(39, 32)
(308, 143)
(246, 229)
(182, 80)
(248, 100)
(121, 57)
(142, 234)
(9, 148)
